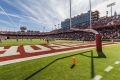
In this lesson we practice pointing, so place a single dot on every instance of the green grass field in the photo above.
(60, 70)
(14, 42)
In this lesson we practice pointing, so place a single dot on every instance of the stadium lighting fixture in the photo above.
(43, 29)
(1, 9)
(90, 14)
(55, 27)
(106, 13)
(70, 15)
(58, 26)
(111, 5)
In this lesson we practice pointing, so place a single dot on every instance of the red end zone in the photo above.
(18, 52)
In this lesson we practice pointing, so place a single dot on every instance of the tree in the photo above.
(23, 28)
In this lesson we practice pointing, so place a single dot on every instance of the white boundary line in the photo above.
(97, 77)
(41, 56)
(117, 62)
(108, 69)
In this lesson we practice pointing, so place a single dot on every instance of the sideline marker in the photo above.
(74, 60)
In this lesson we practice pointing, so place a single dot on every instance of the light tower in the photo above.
(111, 5)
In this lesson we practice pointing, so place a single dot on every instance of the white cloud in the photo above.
(103, 7)
(51, 12)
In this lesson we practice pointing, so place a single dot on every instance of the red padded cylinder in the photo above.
(98, 43)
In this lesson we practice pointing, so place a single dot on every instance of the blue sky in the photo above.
(44, 14)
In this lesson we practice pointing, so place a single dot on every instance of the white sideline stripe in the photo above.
(97, 77)
(117, 62)
(41, 56)
(108, 69)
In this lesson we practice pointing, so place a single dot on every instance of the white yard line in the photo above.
(117, 62)
(41, 56)
(97, 77)
(108, 69)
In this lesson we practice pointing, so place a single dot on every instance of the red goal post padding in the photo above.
(98, 38)
(98, 43)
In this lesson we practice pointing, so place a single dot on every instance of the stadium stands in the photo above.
(108, 27)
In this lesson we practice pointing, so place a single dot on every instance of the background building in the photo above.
(80, 20)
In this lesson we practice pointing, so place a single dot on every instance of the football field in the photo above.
(14, 42)
(59, 67)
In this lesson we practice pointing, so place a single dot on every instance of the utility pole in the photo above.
(55, 27)
(70, 15)
(90, 15)
(58, 26)
(106, 13)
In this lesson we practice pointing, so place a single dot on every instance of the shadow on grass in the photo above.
(82, 53)
(72, 66)
(92, 63)
(100, 55)
(92, 66)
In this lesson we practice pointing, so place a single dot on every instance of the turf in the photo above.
(61, 69)
(14, 42)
